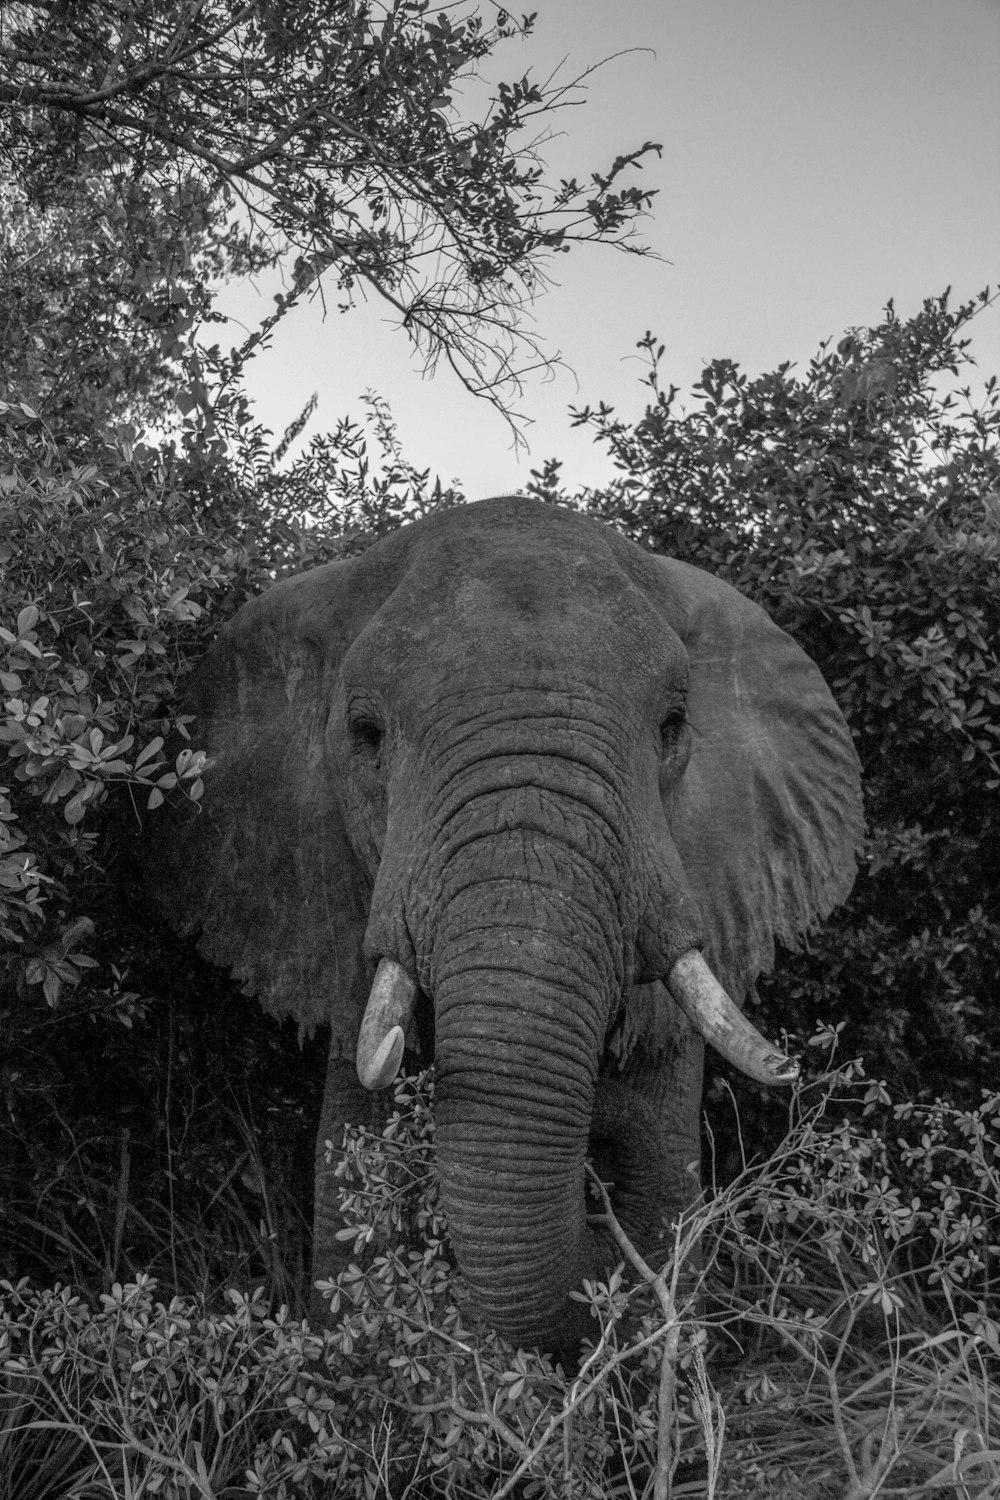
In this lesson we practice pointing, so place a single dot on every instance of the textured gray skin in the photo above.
(450, 751)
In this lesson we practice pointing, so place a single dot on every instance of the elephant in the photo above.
(510, 783)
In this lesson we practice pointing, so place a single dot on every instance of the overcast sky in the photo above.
(819, 157)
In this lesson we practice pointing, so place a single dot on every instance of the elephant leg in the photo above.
(345, 1101)
(645, 1140)
(670, 1082)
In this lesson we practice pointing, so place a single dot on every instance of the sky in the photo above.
(819, 157)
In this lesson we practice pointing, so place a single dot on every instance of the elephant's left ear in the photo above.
(768, 818)
(262, 868)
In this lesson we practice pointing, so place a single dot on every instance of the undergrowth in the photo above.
(828, 1324)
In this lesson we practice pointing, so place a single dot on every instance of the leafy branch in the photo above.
(338, 132)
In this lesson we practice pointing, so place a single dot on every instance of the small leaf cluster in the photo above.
(919, 1183)
(355, 482)
(104, 280)
(146, 1397)
(107, 578)
(856, 1273)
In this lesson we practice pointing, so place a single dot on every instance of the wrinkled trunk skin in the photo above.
(512, 1174)
(525, 979)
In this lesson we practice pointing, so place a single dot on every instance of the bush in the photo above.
(868, 1310)
(859, 503)
(121, 1048)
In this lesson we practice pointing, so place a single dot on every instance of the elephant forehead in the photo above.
(534, 574)
(533, 609)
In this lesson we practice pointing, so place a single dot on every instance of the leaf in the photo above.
(136, 611)
(27, 619)
(149, 751)
(155, 797)
(76, 807)
(64, 782)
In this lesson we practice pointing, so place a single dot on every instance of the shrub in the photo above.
(858, 503)
(832, 1328)
(120, 1046)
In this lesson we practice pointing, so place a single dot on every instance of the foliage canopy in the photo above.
(339, 131)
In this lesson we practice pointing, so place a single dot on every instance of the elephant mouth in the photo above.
(393, 1000)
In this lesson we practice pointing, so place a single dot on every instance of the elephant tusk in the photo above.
(703, 1000)
(383, 1028)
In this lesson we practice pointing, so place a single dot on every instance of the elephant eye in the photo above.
(673, 732)
(367, 733)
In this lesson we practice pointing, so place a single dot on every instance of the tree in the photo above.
(860, 504)
(101, 289)
(334, 129)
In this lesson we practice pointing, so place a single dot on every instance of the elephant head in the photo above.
(558, 794)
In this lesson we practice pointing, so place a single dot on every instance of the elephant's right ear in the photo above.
(768, 817)
(262, 866)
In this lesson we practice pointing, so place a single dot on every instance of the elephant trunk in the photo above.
(511, 1146)
(523, 991)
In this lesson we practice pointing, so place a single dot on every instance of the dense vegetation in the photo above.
(153, 1123)
(813, 1332)
(859, 503)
